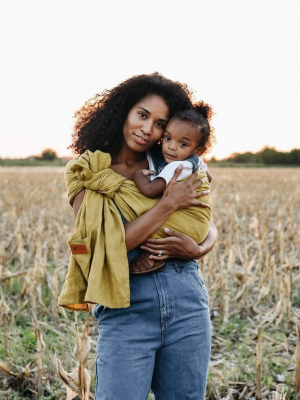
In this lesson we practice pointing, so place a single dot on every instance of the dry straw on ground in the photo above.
(252, 276)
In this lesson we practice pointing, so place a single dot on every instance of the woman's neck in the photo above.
(125, 163)
(128, 157)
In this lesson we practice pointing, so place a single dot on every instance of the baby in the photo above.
(187, 136)
(183, 143)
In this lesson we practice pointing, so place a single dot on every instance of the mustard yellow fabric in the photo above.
(101, 276)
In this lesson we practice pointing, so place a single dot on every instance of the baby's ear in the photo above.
(199, 151)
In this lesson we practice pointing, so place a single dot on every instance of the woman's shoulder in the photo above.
(95, 161)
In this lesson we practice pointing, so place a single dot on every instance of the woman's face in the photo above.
(145, 123)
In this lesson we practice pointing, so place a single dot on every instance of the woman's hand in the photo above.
(178, 245)
(183, 194)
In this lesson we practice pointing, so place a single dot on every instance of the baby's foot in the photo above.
(144, 264)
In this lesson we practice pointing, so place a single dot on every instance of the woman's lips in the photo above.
(139, 139)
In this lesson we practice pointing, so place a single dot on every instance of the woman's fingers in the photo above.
(154, 257)
(160, 242)
(170, 232)
(200, 204)
(156, 251)
(201, 194)
(199, 183)
(163, 241)
(194, 176)
(177, 172)
(154, 247)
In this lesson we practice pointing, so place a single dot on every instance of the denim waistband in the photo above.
(177, 264)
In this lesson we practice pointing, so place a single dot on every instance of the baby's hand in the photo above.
(148, 172)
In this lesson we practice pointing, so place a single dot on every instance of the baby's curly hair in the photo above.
(99, 123)
(199, 116)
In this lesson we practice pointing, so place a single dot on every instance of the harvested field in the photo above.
(252, 276)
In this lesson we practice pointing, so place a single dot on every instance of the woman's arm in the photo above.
(209, 242)
(177, 195)
(78, 199)
(179, 245)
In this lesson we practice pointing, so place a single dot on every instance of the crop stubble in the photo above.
(252, 277)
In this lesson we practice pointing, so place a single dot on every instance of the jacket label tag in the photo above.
(79, 249)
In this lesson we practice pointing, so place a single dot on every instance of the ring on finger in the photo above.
(160, 253)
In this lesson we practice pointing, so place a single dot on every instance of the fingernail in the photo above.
(180, 166)
(142, 247)
(166, 229)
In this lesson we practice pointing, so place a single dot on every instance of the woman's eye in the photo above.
(160, 125)
(142, 114)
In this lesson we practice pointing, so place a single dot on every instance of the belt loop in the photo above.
(177, 267)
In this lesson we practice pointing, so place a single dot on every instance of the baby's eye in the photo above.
(167, 138)
(183, 144)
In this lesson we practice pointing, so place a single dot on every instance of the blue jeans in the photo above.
(162, 341)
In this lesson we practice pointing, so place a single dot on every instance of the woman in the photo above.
(162, 341)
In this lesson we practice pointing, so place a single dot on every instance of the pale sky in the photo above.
(242, 57)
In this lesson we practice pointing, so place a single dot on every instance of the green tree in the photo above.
(270, 156)
(294, 157)
(49, 155)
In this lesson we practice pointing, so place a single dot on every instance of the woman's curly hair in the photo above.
(199, 115)
(99, 123)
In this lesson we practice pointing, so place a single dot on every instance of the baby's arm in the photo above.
(148, 188)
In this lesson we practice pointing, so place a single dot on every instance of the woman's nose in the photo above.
(147, 127)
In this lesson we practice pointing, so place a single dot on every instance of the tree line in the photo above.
(48, 157)
(266, 156)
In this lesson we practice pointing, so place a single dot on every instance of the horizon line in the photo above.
(208, 156)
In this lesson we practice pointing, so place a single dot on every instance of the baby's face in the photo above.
(180, 141)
